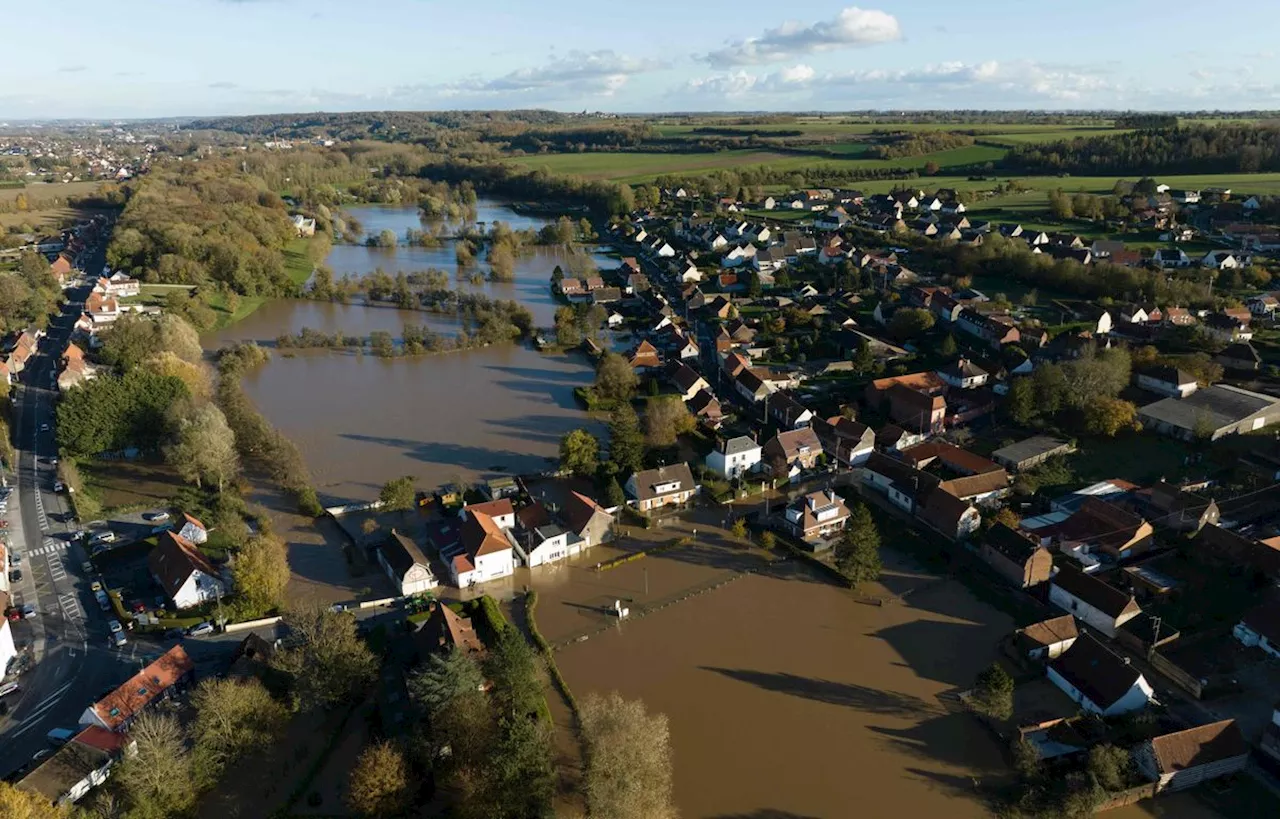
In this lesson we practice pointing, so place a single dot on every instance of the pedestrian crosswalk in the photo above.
(50, 547)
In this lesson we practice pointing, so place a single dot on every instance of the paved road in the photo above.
(68, 637)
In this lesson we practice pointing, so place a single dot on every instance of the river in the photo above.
(361, 420)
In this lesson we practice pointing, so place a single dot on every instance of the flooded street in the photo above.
(361, 420)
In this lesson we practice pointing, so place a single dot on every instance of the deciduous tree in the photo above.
(993, 693)
(910, 322)
(262, 573)
(380, 784)
(628, 759)
(233, 717)
(667, 418)
(327, 640)
(1110, 766)
(203, 447)
(1107, 416)
(158, 778)
(616, 380)
(397, 494)
(579, 452)
(19, 803)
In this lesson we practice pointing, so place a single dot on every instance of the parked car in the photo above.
(139, 607)
(9, 688)
(29, 610)
(60, 736)
(59, 486)
(117, 632)
(103, 537)
(15, 559)
(200, 629)
(87, 567)
(44, 427)
(156, 517)
(13, 613)
(15, 576)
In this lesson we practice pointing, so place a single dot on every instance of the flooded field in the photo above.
(361, 420)
(787, 698)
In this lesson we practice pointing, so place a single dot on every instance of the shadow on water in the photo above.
(959, 786)
(545, 375)
(946, 738)
(529, 428)
(557, 394)
(767, 813)
(462, 457)
(937, 650)
(850, 695)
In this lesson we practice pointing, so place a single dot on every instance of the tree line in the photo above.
(1228, 148)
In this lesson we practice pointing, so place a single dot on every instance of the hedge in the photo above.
(530, 606)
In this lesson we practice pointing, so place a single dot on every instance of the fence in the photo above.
(1192, 685)
(1127, 797)
(251, 624)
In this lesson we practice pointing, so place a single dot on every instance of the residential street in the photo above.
(67, 638)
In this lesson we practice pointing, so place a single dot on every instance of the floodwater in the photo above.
(788, 698)
(361, 420)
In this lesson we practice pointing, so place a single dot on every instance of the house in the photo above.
(1260, 627)
(1221, 260)
(686, 380)
(102, 309)
(946, 513)
(1031, 452)
(816, 516)
(1015, 557)
(77, 767)
(1099, 680)
(665, 486)
(186, 575)
(1099, 605)
(1178, 508)
(589, 524)
(644, 357)
(406, 565)
(792, 452)
(1098, 526)
(1263, 306)
(482, 551)
(1047, 639)
(751, 386)
(1171, 257)
(1187, 758)
(918, 411)
(161, 679)
(706, 407)
(734, 457)
(1241, 357)
(1211, 413)
(445, 630)
(963, 374)
(1168, 381)
(1227, 328)
(502, 510)
(193, 531)
(846, 442)
(788, 412)
(996, 331)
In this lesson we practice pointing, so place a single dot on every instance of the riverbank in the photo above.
(232, 309)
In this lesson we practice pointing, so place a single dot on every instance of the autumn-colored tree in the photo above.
(579, 452)
(1107, 416)
(19, 803)
(380, 785)
(233, 717)
(628, 759)
(666, 419)
(262, 573)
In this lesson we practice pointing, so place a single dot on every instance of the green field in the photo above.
(297, 264)
(644, 167)
(1027, 137)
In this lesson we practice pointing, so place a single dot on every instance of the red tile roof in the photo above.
(142, 688)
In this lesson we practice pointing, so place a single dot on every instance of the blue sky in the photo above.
(142, 58)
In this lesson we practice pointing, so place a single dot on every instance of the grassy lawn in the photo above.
(154, 295)
(298, 266)
(117, 484)
(1139, 457)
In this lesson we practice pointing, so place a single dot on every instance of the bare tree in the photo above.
(157, 779)
(232, 718)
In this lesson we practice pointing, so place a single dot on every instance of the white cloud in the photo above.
(851, 27)
(943, 84)
(592, 72)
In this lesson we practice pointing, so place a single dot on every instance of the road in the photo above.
(68, 637)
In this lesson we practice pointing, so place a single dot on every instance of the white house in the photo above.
(1099, 680)
(1099, 605)
(1168, 381)
(186, 575)
(548, 543)
(484, 551)
(1261, 627)
(1171, 257)
(734, 457)
(1220, 260)
(664, 486)
(1048, 639)
(963, 374)
(406, 565)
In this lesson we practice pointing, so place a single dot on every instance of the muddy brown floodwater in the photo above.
(787, 698)
(361, 421)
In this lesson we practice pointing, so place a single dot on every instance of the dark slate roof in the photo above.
(1106, 599)
(1095, 671)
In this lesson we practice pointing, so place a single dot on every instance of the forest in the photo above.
(1228, 148)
